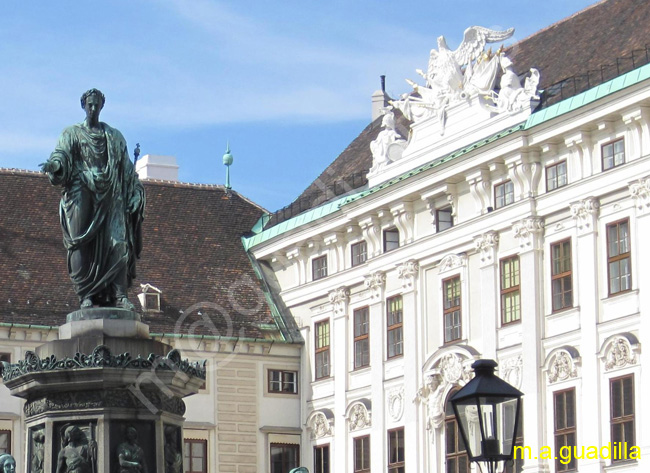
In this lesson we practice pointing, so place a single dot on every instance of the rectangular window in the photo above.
(284, 457)
(618, 257)
(195, 459)
(561, 275)
(556, 176)
(391, 239)
(396, 451)
(451, 308)
(322, 349)
(504, 194)
(444, 219)
(621, 392)
(394, 326)
(319, 267)
(565, 426)
(510, 295)
(359, 253)
(321, 459)
(361, 337)
(283, 381)
(362, 454)
(613, 154)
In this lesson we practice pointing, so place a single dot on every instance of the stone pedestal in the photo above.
(104, 397)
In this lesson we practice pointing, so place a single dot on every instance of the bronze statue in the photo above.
(38, 451)
(76, 456)
(130, 455)
(102, 207)
(173, 456)
(7, 463)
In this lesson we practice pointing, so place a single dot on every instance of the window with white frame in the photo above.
(396, 451)
(564, 410)
(283, 381)
(444, 219)
(561, 275)
(395, 333)
(510, 293)
(359, 253)
(622, 411)
(391, 239)
(451, 309)
(361, 318)
(284, 457)
(195, 456)
(322, 345)
(322, 459)
(362, 454)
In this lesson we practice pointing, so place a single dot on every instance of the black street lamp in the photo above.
(487, 412)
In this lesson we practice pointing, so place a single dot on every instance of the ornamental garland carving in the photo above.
(396, 404)
(359, 417)
(562, 367)
(117, 398)
(452, 261)
(101, 357)
(619, 354)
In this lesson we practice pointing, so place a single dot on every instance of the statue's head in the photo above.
(7, 463)
(92, 92)
(131, 434)
(170, 433)
(72, 433)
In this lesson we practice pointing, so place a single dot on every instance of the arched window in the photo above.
(456, 459)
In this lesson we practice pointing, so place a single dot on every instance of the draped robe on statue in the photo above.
(101, 233)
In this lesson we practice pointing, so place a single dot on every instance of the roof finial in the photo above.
(227, 161)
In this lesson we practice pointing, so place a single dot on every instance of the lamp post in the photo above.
(487, 412)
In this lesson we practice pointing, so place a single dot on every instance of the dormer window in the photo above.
(150, 298)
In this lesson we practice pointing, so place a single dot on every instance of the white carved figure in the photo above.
(454, 75)
(389, 144)
(512, 96)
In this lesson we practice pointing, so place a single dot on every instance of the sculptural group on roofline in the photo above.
(454, 76)
(102, 207)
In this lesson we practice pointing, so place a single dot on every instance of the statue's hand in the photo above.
(50, 166)
(134, 203)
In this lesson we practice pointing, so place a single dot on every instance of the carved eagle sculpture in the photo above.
(444, 72)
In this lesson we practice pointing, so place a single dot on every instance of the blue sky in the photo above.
(287, 82)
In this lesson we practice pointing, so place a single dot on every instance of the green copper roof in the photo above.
(573, 103)
(568, 105)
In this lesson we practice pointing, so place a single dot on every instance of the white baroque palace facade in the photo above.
(490, 232)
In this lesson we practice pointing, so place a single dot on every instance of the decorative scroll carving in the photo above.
(640, 192)
(320, 425)
(396, 404)
(452, 261)
(101, 357)
(512, 371)
(562, 366)
(585, 212)
(486, 244)
(619, 353)
(359, 417)
(527, 231)
(375, 282)
(120, 398)
(407, 271)
(339, 299)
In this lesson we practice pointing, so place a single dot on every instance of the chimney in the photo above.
(152, 166)
(379, 99)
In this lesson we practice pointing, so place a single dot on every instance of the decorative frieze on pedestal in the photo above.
(585, 213)
(375, 283)
(339, 299)
(486, 245)
(640, 192)
(528, 232)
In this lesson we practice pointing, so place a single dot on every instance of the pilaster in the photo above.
(585, 214)
(486, 245)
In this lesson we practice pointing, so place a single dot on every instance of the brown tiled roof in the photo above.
(192, 253)
(587, 40)
(594, 37)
